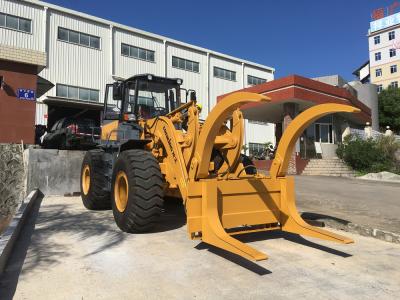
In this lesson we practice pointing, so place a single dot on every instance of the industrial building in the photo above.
(75, 55)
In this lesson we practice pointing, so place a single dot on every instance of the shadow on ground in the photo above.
(263, 236)
(321, 217)
(45, 252)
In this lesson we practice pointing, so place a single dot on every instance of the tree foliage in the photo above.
(389, 109)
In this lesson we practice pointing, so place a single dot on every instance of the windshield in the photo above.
(152, 99)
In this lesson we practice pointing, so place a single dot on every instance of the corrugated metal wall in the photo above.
(260, 133)
(219, 86)
(41, 114)
(77, 65)
(34, 40)
(91, 68)
(191, 80)
(248, 70)
(127, 66)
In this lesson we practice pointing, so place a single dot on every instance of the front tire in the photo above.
(137, 191)
(94, 181)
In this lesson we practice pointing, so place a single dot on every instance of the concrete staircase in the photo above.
(328, 167)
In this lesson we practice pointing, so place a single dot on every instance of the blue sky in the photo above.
(308, 37)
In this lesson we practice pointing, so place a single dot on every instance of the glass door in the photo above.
(323, 133)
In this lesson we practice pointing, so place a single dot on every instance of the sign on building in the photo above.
(26, 94)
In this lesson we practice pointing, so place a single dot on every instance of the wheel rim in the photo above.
(86, 179)
(121, 191)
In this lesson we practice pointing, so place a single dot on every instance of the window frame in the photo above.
(18, 23)
(393, 69)
(262, 80)
(79, 89)
(378, 54)
(138, 49)
(392, 52)
(224, 71)
(377, 40)
(378, 71)
(391, 37)
(79, 38)
(256, 149)
(379, 88)
(394, 85)
(185, 61)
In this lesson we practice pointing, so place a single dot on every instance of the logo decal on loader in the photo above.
(170, 144)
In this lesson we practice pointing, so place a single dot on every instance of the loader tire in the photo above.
(137, 191)
(94, 181)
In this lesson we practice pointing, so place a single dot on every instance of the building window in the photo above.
(377, 56)
(257, 150)
(80, 93)
(393, 85)
(378, 72)
(224, 74)
(393, 69)
(392, 52)
(379, 88)
(391, 35)
(78, 38)
(185, 64)
(252, 80)
(16, 23)
(136, 52)
(377, 39)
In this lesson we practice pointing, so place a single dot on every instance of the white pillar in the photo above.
(368, 130)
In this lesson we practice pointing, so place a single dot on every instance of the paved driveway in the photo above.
(368, 203)
(68, 252)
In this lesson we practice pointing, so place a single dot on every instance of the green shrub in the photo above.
(369, 155)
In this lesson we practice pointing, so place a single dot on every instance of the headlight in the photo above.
(149, 77)
(179, 81)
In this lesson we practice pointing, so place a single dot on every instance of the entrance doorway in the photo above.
(321, 132)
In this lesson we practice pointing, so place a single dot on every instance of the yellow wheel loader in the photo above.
(153, 145)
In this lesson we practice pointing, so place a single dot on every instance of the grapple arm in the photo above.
(218, 208)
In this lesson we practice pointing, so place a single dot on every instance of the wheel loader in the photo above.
(153, 146)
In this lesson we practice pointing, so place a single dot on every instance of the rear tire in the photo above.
(137, 191)
(95, 181)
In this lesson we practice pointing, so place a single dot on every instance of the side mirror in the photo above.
(193, 96)
(117, 90)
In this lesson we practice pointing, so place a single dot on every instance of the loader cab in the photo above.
(141, 97)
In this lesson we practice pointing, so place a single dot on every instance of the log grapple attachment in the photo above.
(156, 147)
(226, 202)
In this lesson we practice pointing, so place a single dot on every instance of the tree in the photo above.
(389, 109)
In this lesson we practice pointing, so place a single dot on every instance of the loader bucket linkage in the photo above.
(218, 208)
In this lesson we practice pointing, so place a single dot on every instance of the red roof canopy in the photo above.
(304, 91)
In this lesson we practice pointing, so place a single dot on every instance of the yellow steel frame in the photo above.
(230, 202)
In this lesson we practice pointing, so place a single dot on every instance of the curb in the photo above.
(378, 180)
(10, 235)
(363, 230)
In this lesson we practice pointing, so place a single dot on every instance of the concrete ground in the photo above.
(67, 252)
(371, 204)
